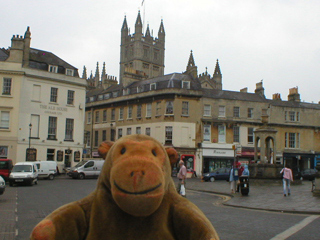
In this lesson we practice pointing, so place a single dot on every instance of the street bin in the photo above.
(244, 185)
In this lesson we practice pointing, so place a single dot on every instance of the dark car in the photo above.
(309, 174)
(218, 174)
(174, 172)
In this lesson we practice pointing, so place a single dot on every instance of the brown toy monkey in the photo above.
(135, 198)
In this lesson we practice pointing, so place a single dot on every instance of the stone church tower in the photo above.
(141, 55)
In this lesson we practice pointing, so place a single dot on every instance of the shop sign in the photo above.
(3, 151)
(218, 152)
(59, 156)
(68, 151)
(77, 156)
(31, 154)
(53, 109)
(95, 154)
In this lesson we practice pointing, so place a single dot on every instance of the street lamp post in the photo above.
(30, 127)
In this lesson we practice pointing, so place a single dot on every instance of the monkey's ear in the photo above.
(173, 155)
(104, 148)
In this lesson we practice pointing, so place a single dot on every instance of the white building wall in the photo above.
(43, 108)
(10, 103)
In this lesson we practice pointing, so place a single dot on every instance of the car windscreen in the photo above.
(4, 165)
(22, 168)
(81, 163)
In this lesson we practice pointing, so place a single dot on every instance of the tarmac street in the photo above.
(8, 216)
(264, 214)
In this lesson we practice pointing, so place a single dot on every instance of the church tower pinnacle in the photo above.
(138, 28)
(84, 73)
(192, 69)
(124, 30)
(97, 76)
(217, 76)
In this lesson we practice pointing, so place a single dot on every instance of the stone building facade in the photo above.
(210, 127)
(42, 103)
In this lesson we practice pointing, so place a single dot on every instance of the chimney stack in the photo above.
(276, 96)
(259, 88)
(294, 94)
(244, 90)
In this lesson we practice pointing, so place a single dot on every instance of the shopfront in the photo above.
(215, 157)
(245, 155)
(298, 161)
(317, 162)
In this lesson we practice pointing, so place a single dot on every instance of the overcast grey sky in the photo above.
(275, 40)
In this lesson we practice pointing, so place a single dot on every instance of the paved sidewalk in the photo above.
(265, 197)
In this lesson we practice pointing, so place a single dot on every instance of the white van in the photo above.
(86, 169)
(24, 172)
(47, 169)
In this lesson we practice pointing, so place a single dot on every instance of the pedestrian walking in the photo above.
(287, 178)
(240, 173)
(233, 178)
(182, 175)
(245, 171)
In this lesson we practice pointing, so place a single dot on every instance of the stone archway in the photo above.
(267, 138)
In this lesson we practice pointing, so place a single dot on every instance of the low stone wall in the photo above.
(265, 171)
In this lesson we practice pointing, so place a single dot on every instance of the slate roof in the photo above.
(174, 80)
(232, 95)
(4, 54)
(41, 59)
(294, 104)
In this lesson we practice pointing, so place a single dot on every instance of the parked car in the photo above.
(24, 172)
(218, 174)
(47, 169)
(296, 173)
(309, 174)
(174, 172)
(2, 185)
(5, 168)
(86, 169)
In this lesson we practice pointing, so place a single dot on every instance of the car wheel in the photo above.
(51, 177)
(212, 179)
(81, 176)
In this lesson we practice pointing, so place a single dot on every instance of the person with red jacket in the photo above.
(241, 168)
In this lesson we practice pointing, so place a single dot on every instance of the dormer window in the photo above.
(139, 89)
(53, 69)
(69, 72)
(115, 94)
(153, 86)
(185, 84)
(106, 95)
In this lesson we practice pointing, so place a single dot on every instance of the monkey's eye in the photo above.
(123, 150)
(154, 153)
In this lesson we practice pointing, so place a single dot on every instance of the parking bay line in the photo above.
(296, 228)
